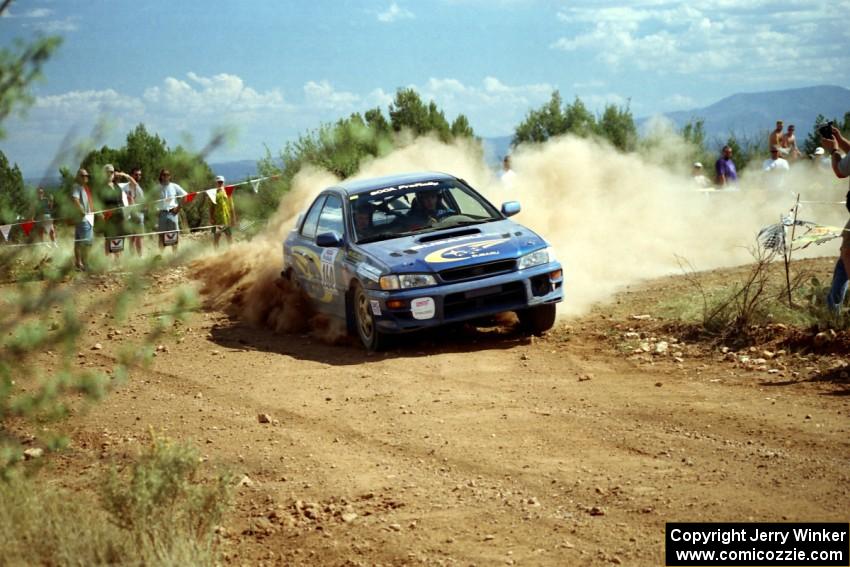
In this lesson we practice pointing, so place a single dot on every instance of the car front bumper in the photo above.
(400, 311)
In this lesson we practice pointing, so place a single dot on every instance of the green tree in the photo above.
(618, 126)
(437, 123)
(541, 124)
(407, 111)
(578, 120)
(14, 201)
(554, 119)
(461, 127)
(20, 68)
(144, 150)
(693, 134)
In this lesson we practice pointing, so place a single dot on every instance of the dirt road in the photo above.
(479, 446)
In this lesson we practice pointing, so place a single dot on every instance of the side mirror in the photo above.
(510, 208)
(329, 240)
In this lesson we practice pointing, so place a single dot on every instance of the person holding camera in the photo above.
(169, 207)
(836, 144)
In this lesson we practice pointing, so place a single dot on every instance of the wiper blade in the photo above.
(472, 221)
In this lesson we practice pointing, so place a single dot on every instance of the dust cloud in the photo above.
(614, 219)
(244, 280)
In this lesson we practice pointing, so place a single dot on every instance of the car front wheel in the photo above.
(538, 319)
(364, 321)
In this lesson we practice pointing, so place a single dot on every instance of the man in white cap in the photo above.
(821, 160)
(222, 213)
(697, 174)
(775, 168)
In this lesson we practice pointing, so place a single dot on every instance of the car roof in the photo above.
(358, 186)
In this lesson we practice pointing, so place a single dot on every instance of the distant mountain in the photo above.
(754, 114)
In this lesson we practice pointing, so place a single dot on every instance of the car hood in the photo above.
(454, 247)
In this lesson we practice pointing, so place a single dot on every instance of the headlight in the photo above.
(543, 256)
(407, 281)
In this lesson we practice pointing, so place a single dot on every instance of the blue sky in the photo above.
(270, 70)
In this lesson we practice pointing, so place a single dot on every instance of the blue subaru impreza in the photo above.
(407, 252)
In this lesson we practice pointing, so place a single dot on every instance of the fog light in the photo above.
(556, 275)
(395, 304)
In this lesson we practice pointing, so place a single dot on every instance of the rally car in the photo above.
(407, 252)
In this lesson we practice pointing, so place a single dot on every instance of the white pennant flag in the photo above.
(90, 218)
(5, 230)
(211, 194)
(255, 185)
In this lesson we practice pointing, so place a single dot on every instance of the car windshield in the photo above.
(425, 206)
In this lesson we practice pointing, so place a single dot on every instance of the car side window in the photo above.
(331, 218)
(308, 229)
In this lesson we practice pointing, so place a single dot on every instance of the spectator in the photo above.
(775, 137)
(724, 167)
(821, 160)
(835, 145)
(775, 167)
(789, 144)
(169, 207)
(83, 231)
(698, 176)
(134, 215)
(507, 176)
(222, 213)
(113, 216)
(44, 213)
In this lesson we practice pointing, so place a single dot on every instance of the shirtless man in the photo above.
(775, 137)
(789, 144)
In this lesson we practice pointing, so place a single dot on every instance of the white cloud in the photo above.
(323, 95)
(37, 13)
(395, 13)
(72, 105)
(749, 43)
(220, 94)
(54, 26)
(378, 97)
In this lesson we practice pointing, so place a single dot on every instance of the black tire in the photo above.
(364, 320)
(537, 320)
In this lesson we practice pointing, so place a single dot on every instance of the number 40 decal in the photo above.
(328, 270)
